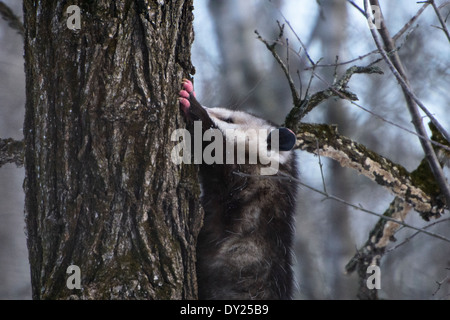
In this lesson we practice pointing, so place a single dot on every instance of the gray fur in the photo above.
(244, 247)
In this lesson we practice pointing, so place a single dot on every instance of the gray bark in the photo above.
(101, 190)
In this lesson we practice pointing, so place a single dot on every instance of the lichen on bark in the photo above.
(416, 188)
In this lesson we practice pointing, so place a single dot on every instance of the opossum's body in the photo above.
(244, 247)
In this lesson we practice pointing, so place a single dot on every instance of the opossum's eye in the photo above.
(228, 120)
(286, 138)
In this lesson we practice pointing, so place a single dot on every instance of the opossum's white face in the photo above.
(255, 133)
(226, 118)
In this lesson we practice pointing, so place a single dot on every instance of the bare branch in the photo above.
(397, 69)
(375, 246)
(443, 144)
(440, 283)
(415, 234)
(338, 89)
(389, 43)
(321, 169)
(298, 39)
(410, 22)
(395, 37)
(13, 20)
(303, 107)
(11, 151)
(418, 189)
(356, 6)
(441, 19)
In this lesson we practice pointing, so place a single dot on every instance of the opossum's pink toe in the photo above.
(188, 86)
(185, 104)
(184, 94)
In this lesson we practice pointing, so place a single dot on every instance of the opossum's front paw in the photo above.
(185, 94)
(188, 86)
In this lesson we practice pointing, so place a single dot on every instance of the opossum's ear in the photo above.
(286, 138)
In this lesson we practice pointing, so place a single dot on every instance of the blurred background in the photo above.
(14, 267)
(235, 70)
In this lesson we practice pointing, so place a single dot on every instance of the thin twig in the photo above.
(357, 7)
(342, 96)
(440, 283)
(298, 39)
(343, 63)
(406, 240)
(410, 22)
(331, 197)
(398, 71)
(311, 79)
(321, 169)
(395, 37)
(300, 87)
(287, 56)
(441, 19)
(271, 48)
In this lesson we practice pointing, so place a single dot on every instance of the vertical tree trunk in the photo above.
(248, 85)
(101, 190)
(332, 34)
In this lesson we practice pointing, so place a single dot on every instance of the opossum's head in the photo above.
(243, 125)
(268, 143)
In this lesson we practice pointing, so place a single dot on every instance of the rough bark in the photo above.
(101, 190)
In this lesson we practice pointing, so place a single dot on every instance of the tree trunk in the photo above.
(331, 33)
(101, 190)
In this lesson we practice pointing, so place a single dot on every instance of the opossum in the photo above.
(244, 246)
